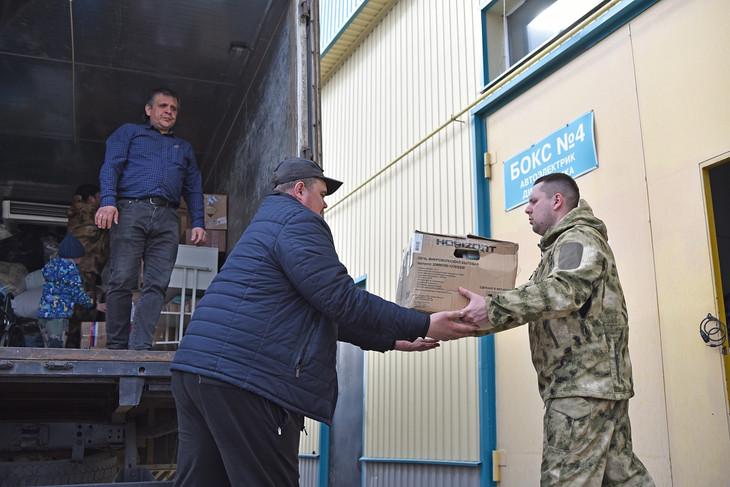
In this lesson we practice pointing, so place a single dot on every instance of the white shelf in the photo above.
(195, 268)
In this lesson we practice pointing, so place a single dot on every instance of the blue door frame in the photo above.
(487, 393)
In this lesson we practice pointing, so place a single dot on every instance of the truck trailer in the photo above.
(71, 72)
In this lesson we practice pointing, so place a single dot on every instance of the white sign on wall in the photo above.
(571, 150)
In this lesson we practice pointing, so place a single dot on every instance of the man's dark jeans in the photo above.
(145, 232)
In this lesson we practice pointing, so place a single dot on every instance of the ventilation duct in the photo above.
(37, 213)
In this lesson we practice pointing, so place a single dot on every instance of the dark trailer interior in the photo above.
(72, 71)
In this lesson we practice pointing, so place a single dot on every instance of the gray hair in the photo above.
(289, 186)
(153, 95)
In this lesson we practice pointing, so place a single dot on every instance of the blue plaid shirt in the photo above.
(141, 162)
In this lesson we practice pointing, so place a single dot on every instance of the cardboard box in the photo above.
(216, 238)
(93, 334)
(434, 266)
(215, 207)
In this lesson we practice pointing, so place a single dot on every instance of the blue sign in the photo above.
(571, 150)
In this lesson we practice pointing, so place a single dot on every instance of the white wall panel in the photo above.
(417, 68)
(309, 441)
(335, 14)
(419, 475)
(309, 472)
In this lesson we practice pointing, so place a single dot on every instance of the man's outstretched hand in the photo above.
(418, 345)
(445, 327)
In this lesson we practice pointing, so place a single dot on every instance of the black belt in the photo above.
(153, 200)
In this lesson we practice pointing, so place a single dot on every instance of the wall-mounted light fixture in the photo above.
(238, 47)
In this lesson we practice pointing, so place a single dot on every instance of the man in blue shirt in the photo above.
(146, 170)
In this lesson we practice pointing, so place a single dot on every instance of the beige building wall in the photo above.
(683, 103)
(660, 103)
(601, 80)
(658, 88)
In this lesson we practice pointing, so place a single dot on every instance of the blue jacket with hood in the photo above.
(270, 320)
(62, 289)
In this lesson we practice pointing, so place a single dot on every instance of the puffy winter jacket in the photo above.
(579, 332)
(62, 290)
(268, 323)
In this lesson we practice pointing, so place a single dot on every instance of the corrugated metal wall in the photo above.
(334, 15)
(416, 69)
(309, 441)
(309, 453)
(420, 475)
(308, 472)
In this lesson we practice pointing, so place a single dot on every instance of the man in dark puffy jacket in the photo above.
(259, 354)
(579, 337)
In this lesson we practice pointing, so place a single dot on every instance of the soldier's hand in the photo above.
(445, 327)
(476, 311)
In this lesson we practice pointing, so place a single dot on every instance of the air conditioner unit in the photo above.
(37, 213)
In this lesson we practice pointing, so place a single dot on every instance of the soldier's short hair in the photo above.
(559, 182)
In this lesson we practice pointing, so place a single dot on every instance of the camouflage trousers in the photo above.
(587, 442)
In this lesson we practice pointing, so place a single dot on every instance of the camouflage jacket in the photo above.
(94, 239)
(575, 307)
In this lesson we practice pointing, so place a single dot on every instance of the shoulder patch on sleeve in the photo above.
(570, 255)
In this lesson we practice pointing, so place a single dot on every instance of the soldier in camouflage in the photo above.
(578, 328)
(95, 240)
